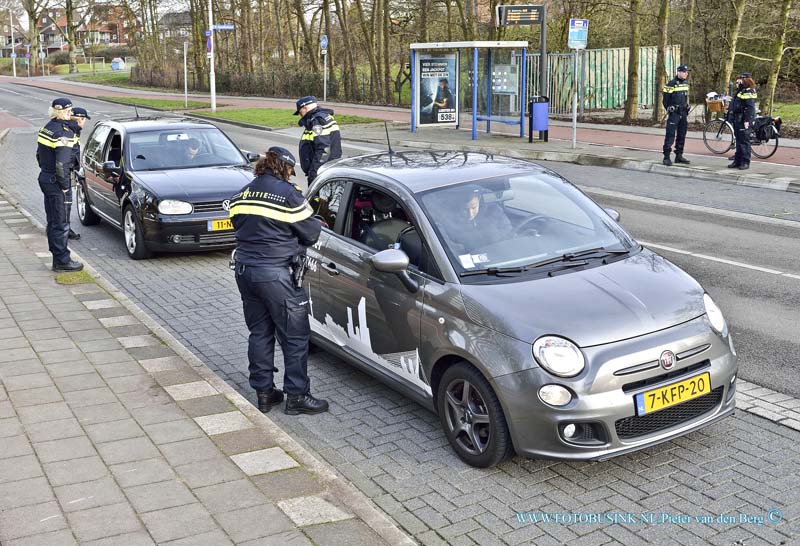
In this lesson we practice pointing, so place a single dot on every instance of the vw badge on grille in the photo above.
(226, 205)
(667, 360)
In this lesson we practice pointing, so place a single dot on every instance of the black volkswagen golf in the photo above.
(164, 183)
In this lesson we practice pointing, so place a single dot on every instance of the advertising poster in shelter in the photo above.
(437, 88)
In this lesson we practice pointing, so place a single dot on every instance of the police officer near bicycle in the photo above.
(274, 224)
(55, 143)
(742, 113)
(77, 123)
(321, 140)
(675, 98)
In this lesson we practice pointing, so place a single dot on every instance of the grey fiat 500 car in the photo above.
(498, 294)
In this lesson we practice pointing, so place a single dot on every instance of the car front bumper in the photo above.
(603, 406)
(164, 233)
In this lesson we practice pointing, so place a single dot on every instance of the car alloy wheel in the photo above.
(134, 238)
(472, 417)
(85, 213)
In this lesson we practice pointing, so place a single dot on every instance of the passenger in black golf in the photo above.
(274, 224)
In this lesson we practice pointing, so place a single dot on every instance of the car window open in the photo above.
(94, 148)
(326, 202)
(166, 149)
(518, 221)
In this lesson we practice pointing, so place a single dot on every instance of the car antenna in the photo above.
(388, 142)
(137, 112)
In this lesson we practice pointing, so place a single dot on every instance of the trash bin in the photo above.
(540, 107)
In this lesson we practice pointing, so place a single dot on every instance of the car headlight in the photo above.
(171, 206)
(558, 356)
(714, 314)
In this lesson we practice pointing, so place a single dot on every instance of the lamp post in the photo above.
(212, 80)
(11, 24)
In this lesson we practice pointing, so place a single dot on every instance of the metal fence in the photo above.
(602, 77)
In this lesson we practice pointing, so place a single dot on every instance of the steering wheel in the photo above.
(529, 224)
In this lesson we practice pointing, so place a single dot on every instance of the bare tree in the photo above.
(632, 100)
(661, 71)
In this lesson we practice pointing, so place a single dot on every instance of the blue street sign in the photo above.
(578, 33)
(208, 33)
(208, 44)
(323, 41)
(27, 55)
(225, 26)
(13, 55)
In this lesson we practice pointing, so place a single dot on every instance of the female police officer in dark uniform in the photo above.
(743, 111)
(273, 223)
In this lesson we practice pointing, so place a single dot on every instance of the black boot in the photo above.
(680, 159)
(71, 265)
(74, 236)
(267, 399)
(304, 403)
(667, 161)
(734, 165)
(744, 166)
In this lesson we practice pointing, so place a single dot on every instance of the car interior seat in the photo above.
(385, 228)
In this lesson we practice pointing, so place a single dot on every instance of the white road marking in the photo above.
(720, 260)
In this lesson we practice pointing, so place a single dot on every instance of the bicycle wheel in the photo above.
(763, 149)
(718, 136)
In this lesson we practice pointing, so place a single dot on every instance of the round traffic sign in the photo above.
(42, 54)
(27, 55)
(323, 41)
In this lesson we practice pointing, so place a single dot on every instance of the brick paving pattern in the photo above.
(394, 451)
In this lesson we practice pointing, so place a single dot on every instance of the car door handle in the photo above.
(330, 268)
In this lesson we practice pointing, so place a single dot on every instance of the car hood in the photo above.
(641, 294)
(195, 185)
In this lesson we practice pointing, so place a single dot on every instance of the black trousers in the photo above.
(273, 306)
(55, 207)
(676, 132)
(742, 155)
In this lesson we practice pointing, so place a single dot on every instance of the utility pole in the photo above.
(13, 53)
(212, 79)
(41, 51)
(185, 76)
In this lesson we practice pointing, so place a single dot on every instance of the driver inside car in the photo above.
(474, 224)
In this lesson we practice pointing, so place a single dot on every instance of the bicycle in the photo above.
(719, 136)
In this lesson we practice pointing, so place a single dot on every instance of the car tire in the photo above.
(479, 436)
(134, 235)
(85, 213)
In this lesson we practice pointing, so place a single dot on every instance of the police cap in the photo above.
(61, 103)
(744, 75)
(78, 112)
(683, 68)
(284, 155)
(304, 101)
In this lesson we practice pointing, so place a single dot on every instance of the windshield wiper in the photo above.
(573, 256)
(497, 271)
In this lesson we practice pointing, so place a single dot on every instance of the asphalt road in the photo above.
(394, 451)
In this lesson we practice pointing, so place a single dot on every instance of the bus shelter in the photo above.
(436, 95)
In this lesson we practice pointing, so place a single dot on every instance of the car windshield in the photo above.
(520, 222)
(166, 149)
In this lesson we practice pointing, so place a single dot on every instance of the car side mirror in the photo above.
(252, 157)
(395, 261)
(614, 213)
(109, 167)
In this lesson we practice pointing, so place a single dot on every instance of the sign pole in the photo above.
(41, 51)
(576, 40)
(325, 76)
(13, 53)
(212, 79)
(575, 100)
(185, 76)
(543, 55)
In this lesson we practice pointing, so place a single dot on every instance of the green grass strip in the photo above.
(74, 277)
(274, 117)
(161, 104)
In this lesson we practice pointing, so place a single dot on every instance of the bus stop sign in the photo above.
(578, 33)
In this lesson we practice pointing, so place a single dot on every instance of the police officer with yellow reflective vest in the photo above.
(56, 141)
(77, 123)
(274, 224)
(742, 112)
(321, 140)
(675, 98)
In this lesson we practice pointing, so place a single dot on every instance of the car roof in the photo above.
(419, 171)
(140, 124)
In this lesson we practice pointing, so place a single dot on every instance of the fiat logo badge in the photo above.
(667, 360)
(226, 205)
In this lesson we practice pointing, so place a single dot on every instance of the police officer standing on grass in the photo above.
(743, 112)
(56, 141)
(321, 140)
(675, 98)
(78, 121)
(274, 225)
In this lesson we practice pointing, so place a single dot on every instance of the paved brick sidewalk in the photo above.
(109, 436)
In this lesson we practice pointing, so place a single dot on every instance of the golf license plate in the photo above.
(674, 394)
(219, 225)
